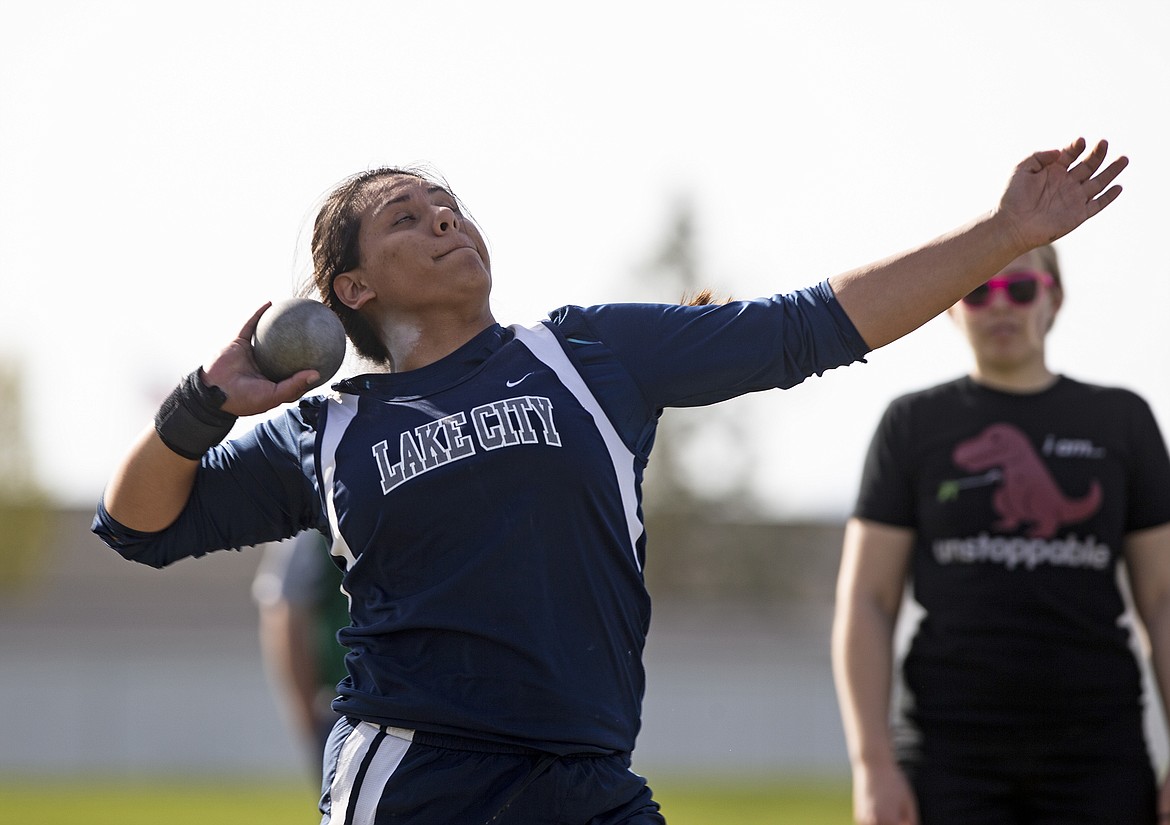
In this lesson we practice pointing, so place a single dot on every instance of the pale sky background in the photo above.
(160, 164)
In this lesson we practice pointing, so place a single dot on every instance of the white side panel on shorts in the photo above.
(390, 750)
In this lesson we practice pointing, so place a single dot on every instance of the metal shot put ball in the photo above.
(298, 334)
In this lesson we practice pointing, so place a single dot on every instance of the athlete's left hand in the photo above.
(1050, 193)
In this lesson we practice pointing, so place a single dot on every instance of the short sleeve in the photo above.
(886, 493)
(1149, 494)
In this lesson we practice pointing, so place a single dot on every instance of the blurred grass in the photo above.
(120, 801)
(96, 801)
(754, 802)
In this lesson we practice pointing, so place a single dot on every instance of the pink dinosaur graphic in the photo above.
(1029, 494)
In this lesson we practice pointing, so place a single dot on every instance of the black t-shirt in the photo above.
(1020, 503)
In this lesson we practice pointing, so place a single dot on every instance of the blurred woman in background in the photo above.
(1009, 499)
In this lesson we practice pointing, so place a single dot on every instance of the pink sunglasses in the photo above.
(1021, 288)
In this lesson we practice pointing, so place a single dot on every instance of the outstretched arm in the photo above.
(152, 484)
(1050, 194)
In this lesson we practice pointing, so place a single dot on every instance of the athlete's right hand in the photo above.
(248, 392)
(882, 796)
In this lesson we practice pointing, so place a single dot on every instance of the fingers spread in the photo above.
(1038, 161)
(1085, 169)
(1107, 176)
(1097, 204)
(1071, 152)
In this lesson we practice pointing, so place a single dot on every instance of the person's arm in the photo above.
(1147, 558)
(286, 643)
(1047, 197)
(287, 590)
(151, 485)
(870, 583)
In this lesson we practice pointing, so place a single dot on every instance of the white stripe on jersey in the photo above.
(547, 348)
(338, 417)
(391, 748)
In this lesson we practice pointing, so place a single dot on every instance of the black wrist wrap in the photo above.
(190, 421)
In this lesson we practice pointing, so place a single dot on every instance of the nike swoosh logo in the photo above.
(517, 381)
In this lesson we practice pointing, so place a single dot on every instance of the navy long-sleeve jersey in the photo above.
(486, 508)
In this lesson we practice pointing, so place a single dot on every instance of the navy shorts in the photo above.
(375, 775)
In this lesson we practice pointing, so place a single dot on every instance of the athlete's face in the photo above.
(1003, 333)
(417, 252)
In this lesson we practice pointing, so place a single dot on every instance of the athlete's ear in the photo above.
(352, 289)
